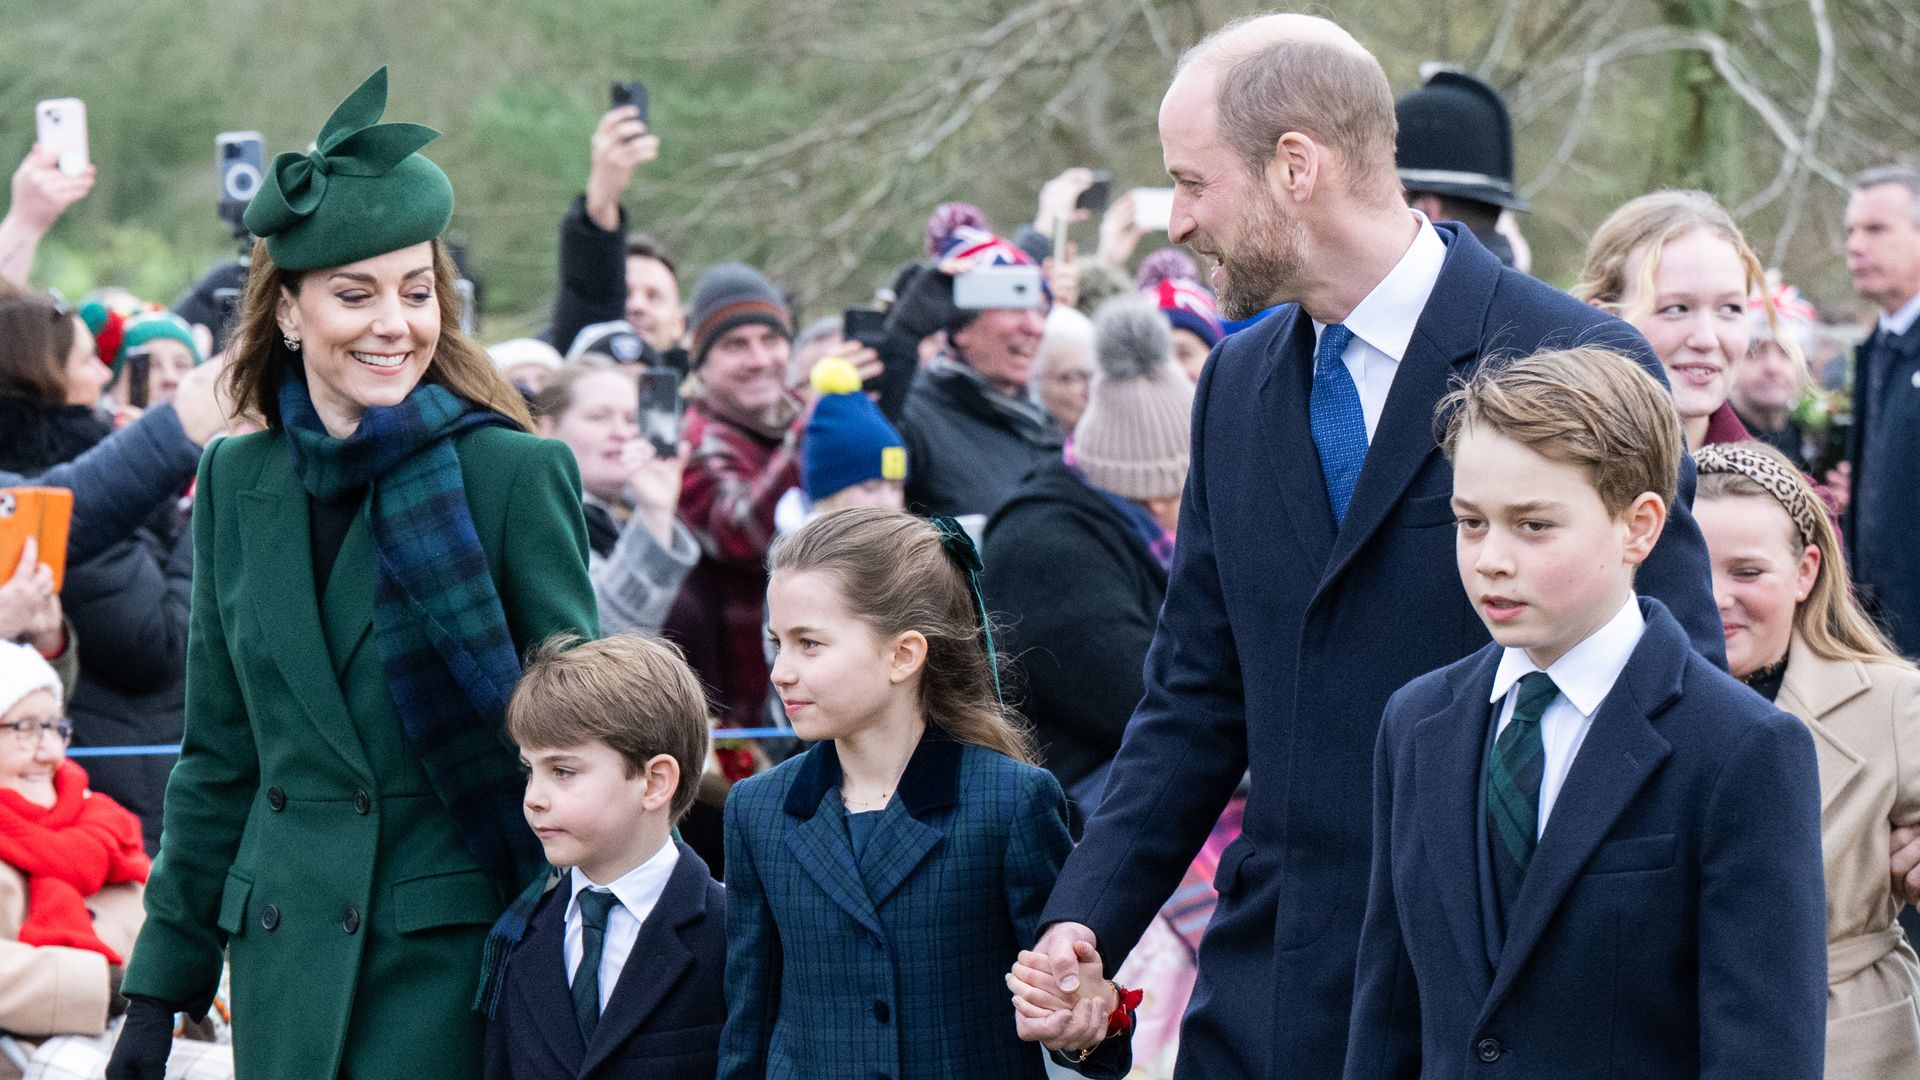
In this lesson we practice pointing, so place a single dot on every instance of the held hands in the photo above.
(1061, 997)
(620, 145)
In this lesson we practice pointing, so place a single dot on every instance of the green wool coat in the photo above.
(302, 838)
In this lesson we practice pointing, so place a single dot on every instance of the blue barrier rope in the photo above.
(174, 748)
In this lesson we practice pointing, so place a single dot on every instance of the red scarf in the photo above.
(69, 851)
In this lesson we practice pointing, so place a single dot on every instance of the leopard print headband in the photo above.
(1776, 479)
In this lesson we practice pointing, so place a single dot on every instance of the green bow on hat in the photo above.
(364, 190)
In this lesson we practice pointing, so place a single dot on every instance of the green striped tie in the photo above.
(595, 906)
(1513, 788)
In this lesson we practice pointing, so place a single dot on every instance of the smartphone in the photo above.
(60, 125)
(632, 93)
(42, 513)
(1096, 196)
(864, 325)
(993, 287)
(241, 158)
(138, 371)
(660, 409)
(1153, 208)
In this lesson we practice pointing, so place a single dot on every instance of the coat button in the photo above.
(1489, 1050)
(350, 921)
(276, 799)
(269, 918)
(362, 803)
(881, 1012)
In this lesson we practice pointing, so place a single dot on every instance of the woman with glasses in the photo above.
(127, 605)
(71, 868)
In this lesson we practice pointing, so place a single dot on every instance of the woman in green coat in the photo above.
(344, 823)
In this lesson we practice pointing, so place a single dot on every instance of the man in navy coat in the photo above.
(1315, 570)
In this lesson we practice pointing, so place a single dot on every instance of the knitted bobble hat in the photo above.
(1133, 438)
(847, 441)
(150, 326)
(731, 295)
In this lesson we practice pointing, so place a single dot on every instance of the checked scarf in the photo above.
(450, 663)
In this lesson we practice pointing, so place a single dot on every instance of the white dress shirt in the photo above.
(1901, 321)
(1584, 676)
(1383, 322)
(638, 890)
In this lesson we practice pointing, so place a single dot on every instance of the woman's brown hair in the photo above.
(36, 334)
(1830, 621)
(556, 396)
(895, 576)
(261, 359)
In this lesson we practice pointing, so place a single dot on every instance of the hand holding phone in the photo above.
(660, 409)
(1094, 199)
(39, 515)
(990, 288)
(632, 93)
(1153, 209)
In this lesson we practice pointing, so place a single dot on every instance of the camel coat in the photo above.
(1865, 720)
(48, 990)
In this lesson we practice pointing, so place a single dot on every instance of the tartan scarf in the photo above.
(450, 662)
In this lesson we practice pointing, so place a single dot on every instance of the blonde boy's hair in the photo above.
(1591, 408)
(635, 694)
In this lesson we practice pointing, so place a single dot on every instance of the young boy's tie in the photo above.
(1513, 788)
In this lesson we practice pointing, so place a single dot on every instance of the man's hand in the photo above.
(1906, 864)
(1057, 198)
(620, 145)
(1055, 1018)
(1120, 234)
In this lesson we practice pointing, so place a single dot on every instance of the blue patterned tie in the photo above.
(1514, 773)
(1339, 425)
(595, 906)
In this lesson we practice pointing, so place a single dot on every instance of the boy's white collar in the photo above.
(1585, 673)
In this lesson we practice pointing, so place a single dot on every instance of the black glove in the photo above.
(924, 306)
(145, 1041)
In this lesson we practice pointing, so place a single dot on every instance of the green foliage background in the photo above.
(812, 136)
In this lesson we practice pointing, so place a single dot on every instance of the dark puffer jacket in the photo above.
(128, 608)
(967, 446)
(1079, 595)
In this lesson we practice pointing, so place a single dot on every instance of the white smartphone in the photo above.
(993, 287)
(1153, 208)
(60, 125)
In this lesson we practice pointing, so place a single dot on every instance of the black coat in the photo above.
(1884, 514)
(1280, 642)
(966, 453)
(664, 1018)
(593, 275)
(1079, 593)
(128, 608)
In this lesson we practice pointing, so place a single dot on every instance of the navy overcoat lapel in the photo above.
(1621, 753)
(904, 837)
(820, 844)
(1446, 339)
(1287, 434)
(540, 977)
(1448, 748)
(274, 536)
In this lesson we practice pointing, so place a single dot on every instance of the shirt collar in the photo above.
(1588, 670)
(1901, 321)
(1385, 318)
(637, 890)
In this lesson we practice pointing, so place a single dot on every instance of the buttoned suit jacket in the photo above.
(662, 1020)
(1883, 515)
(1673, 918)
(1279, 643)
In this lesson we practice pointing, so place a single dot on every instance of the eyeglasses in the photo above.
(28, 733)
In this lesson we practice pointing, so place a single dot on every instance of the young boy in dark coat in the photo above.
(1594, 853)
(613, 734)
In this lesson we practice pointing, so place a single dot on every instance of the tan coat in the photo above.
(48, 990)
(1865, 720)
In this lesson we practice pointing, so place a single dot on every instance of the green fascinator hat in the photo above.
(363, 191)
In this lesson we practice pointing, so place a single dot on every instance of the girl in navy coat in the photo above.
(880, 883)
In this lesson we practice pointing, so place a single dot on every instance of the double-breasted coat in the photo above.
(302, 837)
(1865, 720)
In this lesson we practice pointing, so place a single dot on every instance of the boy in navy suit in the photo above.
(613, 735)
(1594, 853)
